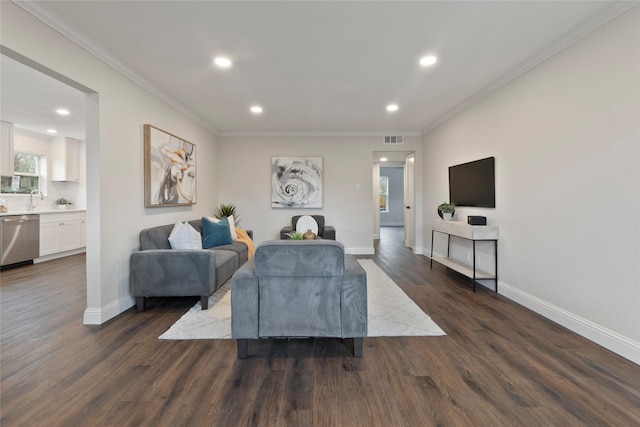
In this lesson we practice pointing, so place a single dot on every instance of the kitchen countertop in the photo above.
(42, 212)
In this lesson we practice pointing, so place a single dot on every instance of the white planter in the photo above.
(62, 207)
(447, 216)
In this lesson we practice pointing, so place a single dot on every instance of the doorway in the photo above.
(393, 178)
(48, 86)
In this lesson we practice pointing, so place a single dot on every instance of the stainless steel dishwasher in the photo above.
(20, 235)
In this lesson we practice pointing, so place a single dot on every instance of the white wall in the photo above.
(245, 179)
(566, 138)
(115, 202)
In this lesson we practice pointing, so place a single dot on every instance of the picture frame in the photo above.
(169, 169)
(296, 182)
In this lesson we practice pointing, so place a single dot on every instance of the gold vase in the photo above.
(309, 235)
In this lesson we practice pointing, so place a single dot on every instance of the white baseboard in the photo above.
(98, 316)
(607, 338)
(360, 251)
(59, 255)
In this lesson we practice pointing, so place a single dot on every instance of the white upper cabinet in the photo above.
(65, 159)
(6, 149)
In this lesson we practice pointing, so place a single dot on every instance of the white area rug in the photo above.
(391, 312)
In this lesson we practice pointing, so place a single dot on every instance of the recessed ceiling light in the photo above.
(52, 131)
(392, 107)
(428, 60)
(222, 62)
(383, 159)
(256, 109)
(62, 112)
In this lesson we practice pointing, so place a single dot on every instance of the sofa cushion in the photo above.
(215, 233)
(239, 248)
(226, 265)
(184, 236)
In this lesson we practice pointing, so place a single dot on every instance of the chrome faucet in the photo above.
(32, 206)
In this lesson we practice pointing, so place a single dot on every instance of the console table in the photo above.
(474, 233)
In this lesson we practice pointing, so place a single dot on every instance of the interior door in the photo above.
(409, 202)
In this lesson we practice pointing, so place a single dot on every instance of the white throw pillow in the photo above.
(232, 228)
(184, 236)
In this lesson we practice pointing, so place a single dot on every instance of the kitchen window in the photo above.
(26, 175)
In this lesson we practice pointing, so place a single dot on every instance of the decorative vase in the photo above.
(62, 207)
(309, 235)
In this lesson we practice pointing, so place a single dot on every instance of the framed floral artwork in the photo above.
(296, 182)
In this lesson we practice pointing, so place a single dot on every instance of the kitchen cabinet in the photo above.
(65, 159)
(6, 148)
(61, 232)
(83, 229)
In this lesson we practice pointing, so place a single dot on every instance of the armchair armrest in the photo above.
(354, 299)
(284, 231)
(329, 232)
(245, 302)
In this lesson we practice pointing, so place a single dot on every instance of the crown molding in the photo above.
(34, 134)
(318, 134)
(55, 21)
(578, 31)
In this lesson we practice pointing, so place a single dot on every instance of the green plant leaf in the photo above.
(295, 235)
(227, 210)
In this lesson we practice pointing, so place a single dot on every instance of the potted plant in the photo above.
(227, 210)
(62, 203)
(295, 235)
(446, 211)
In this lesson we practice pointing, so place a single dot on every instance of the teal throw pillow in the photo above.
(215, 234)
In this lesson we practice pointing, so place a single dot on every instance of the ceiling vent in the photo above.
(393, 140)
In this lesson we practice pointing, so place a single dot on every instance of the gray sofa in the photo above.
(159, 271)
(299, 288)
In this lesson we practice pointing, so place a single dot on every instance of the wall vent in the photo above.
(393, 140)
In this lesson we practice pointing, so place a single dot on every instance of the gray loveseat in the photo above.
(159, 271)
(299, 288)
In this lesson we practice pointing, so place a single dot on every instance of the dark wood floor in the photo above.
(499, 365)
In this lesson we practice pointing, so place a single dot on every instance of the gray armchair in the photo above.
(299, 288)
(324, 231)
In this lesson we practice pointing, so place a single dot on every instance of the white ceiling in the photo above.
(321, 67)
(29, 99)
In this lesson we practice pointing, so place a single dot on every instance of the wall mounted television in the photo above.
(473, 183)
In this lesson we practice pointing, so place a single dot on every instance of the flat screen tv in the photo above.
(473, 183)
